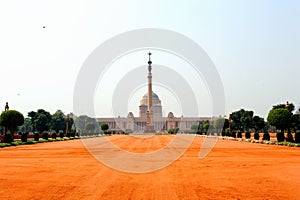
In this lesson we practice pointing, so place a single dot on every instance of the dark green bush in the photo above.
(239, 134)
(297, 136)
(234, 134)
(289, 137)
(45, 135)
(280, 136)
(36, 136)
(227, 132)
(61, 135)
(68, 135)
(109, 132)
(256, 135)
(24, 137)
(266, 135)
(247, 135)
(223, 133)
(8, 138)
(173, 130)
(72, 134)
(53, 135)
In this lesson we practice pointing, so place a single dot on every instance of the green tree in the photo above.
(258, 123)
(80, 122)
(195, 127)
(278, 106)
(58, 121)
(11, 119)
(296, 122)
(26, 127)
(247, 120)
(104, 127)
(40, 120)
(42, 123)
(205, 127)
(241, 120)
(32, 116)
(89, 128)
(281, 118)
(221, 124)
(236, 120)
(71, 125)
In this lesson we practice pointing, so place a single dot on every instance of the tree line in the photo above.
(281, 117)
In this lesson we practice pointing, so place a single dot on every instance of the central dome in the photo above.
(156, 105)
(154, 96)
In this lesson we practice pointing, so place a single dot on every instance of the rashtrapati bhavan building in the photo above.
(150, 117)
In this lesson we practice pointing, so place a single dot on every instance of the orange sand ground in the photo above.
(233, 170)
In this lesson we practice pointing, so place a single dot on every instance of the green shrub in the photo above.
(239, 134)
(72, 134)
(280, 136)
(297, 136)
(256, 135)
(5, 145)
(24, 137)
(234, 134)
(17, 143)
(247, 135)
(68, 135)
(45, 135)
(53, 135)
(42, 140)
(31, 142)
(36, 136)
(61, 135)
(8, 138)
(289, 137)
(173, 130)
(266, 135)
(223, 133)
(227, 133)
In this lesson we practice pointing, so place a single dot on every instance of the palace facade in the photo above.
(150, 117)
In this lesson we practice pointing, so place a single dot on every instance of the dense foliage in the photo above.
(11, 119)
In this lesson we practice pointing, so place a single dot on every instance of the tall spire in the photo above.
(149, 114)
(149, 62)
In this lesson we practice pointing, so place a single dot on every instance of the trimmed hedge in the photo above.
(36, 136)
(239, 134)
(234, 134)
(297, 136)
(280, 136)
(256, 135)
(53, 135)
(24, 137)
(247, 135)
(45, 135)
(8, 138)
(266, 135)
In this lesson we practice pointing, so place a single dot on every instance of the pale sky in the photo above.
(255, 46)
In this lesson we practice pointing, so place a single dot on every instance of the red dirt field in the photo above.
(233, 170)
